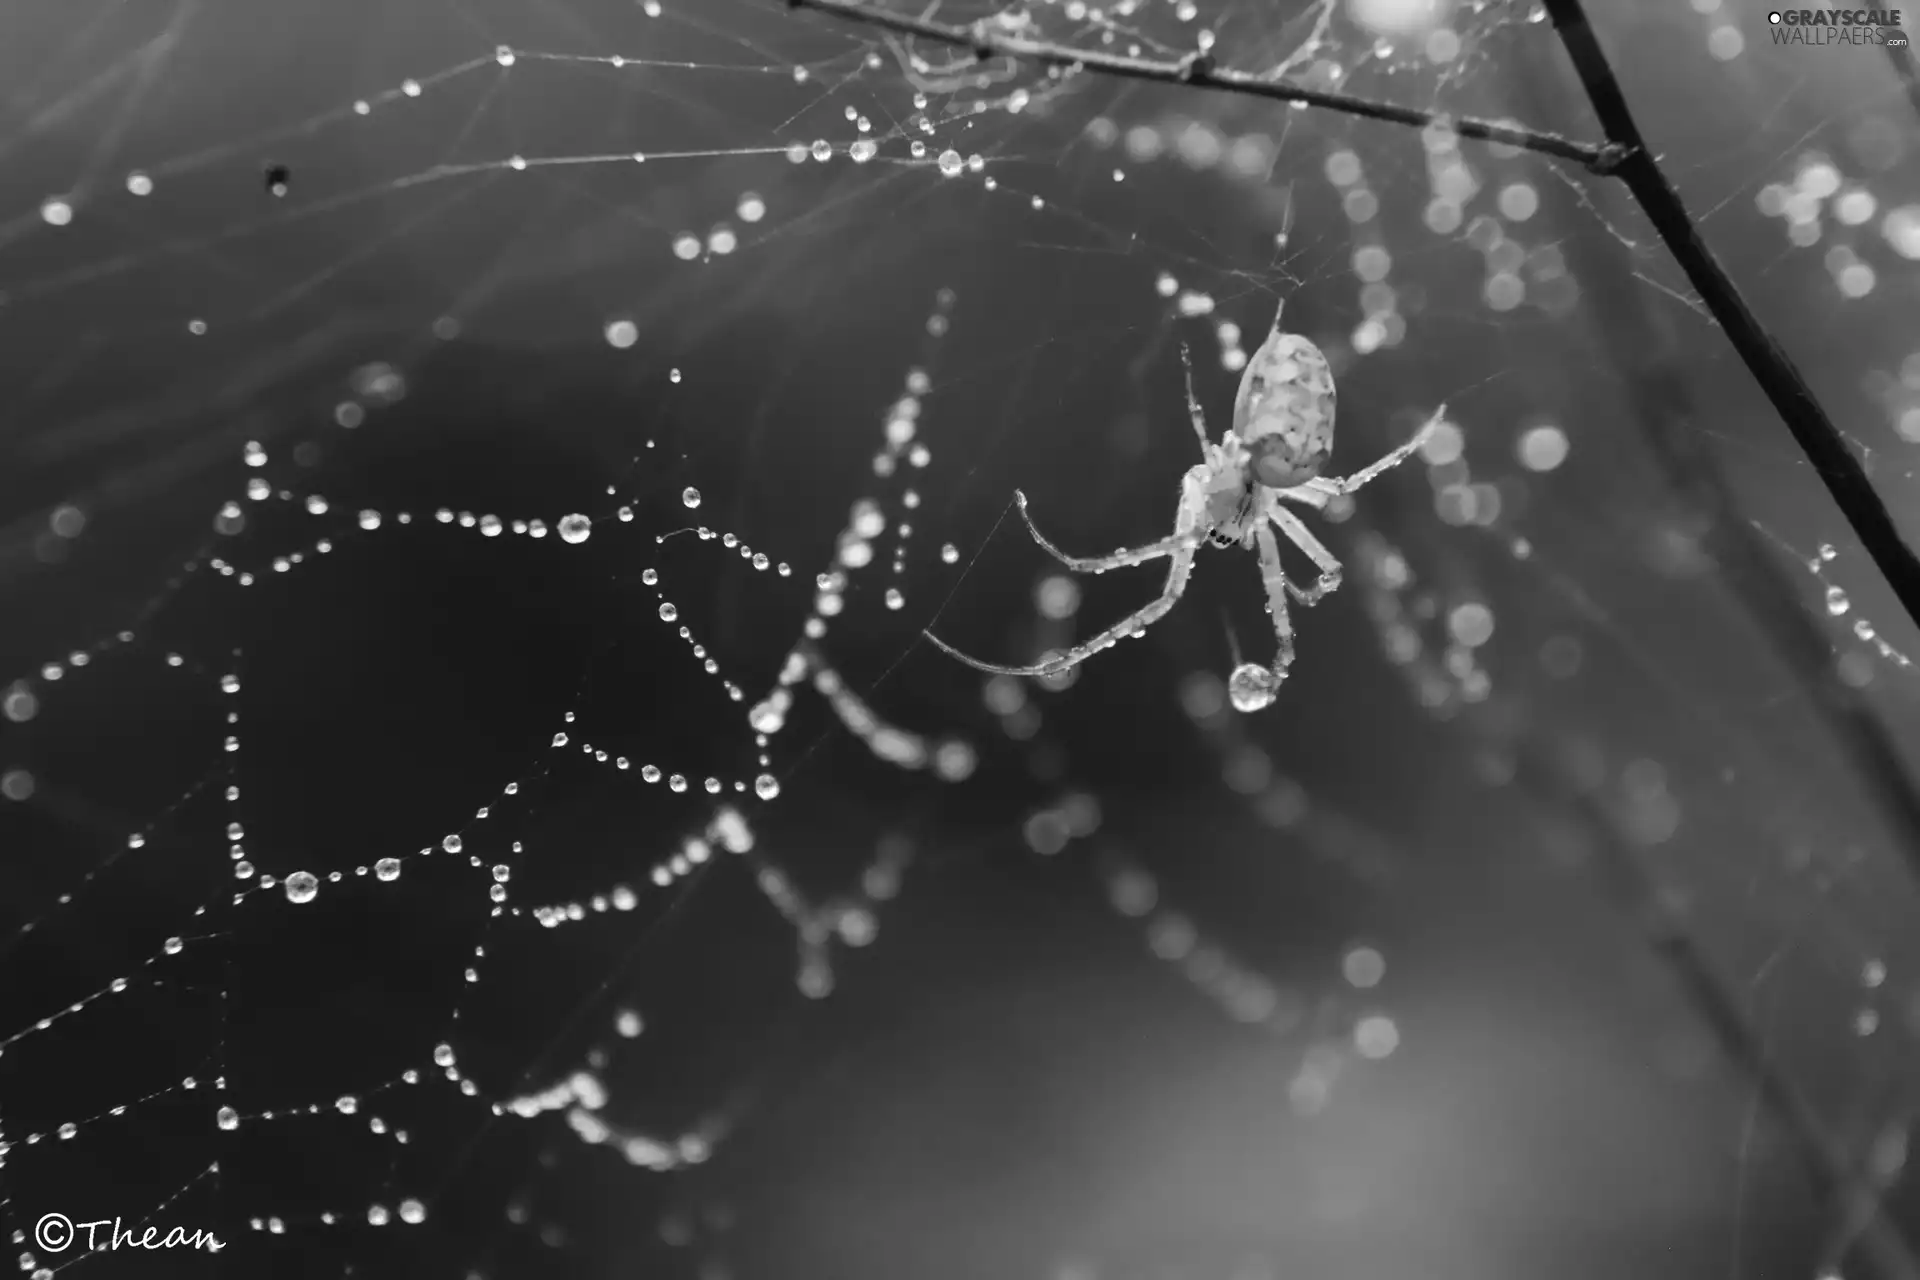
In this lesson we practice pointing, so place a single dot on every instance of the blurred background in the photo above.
(477, 802)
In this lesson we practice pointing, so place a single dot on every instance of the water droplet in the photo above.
(387, 868)
(950, 163)
(301, 887)
(766, 786)
(227, 1118)
(1837, 602)
(690, 496)
(1251, 687)
(451, 844)
(174, 945)
(822, 150)
(377, 1214)
(667, 611)
(412, 1211)
(575, 529)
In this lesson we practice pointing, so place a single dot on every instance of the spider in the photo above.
(1282, 435)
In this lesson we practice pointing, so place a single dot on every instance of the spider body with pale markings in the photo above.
(1280, 441)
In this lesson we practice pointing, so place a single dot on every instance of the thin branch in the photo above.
(1792, 398)
(1199, 71)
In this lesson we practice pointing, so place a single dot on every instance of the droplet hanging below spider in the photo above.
(278, 178)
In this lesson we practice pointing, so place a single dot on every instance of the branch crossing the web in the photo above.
(1200, 70)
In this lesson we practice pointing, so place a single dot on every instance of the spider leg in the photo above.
(1334, 486)
(1185, 543)
(1198, 418)
(1274, 577)
(1131, 556)
(1302, 537)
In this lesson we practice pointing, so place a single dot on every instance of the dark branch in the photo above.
(1770, 365)
(1200, 71)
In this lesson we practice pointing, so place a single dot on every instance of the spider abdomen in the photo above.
(1284, 411)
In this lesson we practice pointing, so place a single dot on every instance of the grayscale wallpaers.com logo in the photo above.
(1838, 26)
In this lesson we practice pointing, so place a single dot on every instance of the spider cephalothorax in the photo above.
(1280, 440)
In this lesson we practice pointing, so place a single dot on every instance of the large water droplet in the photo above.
(690, 496)
(667, 612)
(387, 868)
(575, 529)
(950, 163)
(227, 1118)
(1251, 687)
(1837, 602)
(766, 786)
(301, 887)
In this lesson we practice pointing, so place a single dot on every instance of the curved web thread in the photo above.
(849, 919)
(928, 139)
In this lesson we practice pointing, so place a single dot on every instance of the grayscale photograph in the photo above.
(959, 640)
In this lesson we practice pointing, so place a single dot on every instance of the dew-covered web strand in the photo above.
(841, 917)
(1835, 600)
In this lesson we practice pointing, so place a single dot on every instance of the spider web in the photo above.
(477, 804)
